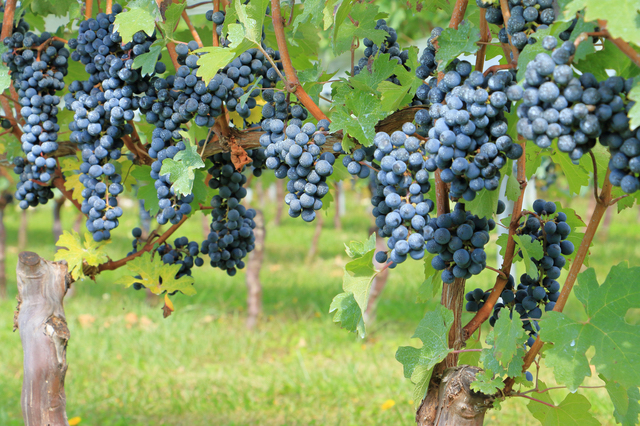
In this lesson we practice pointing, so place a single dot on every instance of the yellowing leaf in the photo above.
(75, 252)
(74, 421)
(72, 183)
(151, 271)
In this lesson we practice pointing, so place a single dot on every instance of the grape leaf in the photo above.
(510, 351)
(5, 79)
(486, 383)
(358, 115)
(216, 58)
(312, 11)
(365, 16)
(172, 15)
(529, 249)
(75, 252)
(147, 61)
(181, 169)
(572, 411)
(418, 363)
(357, 278)
(251, 16)
(512, 191)
(484, 205)
(534, 156)
(623, 20)
(530, 51)
(133, 20)
(617, 348)
(503, 239)
(347, 313)
(586, 48)
(634, 113)
(577, 176)
(431, 284)
(151, 270)
(625, 402)
(146, 189)
(357, 249)
(452, 43)
(508, 337)
(609, 57)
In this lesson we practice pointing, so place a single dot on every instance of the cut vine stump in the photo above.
(44, 334)
(451, 402)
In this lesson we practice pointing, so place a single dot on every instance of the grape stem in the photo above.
(109, 7)
(461, 351)
(216, 8)
(497, 271)
(506, 14)
(495, 68)
(615, 200)
(459, 9)
(7, 21)
(536, 400)
(194, 33)
(620, 43)
(485, 37)
(602, 203)
(483, 313)
(595, 175)
(292, 83)
(88, 9)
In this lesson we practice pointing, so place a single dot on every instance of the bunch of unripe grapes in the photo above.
(458, 239)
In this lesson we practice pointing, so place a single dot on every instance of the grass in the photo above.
(128, 366)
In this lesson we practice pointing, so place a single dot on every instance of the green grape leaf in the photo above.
(151, 269)
(147, 61)
(511, 353)
(172, 15)
(634, 113)
(5, 79)
(586, 48)
(572, 411)
(358, 276)
(512, 191)
(431, 284)
(374, 74)
(146, 189)
(503, 239)
(251, 16)
(452, 43)
(181, 169)
(358, 116)
(312, 12)
(622, 20)
(508, 337)
(609, 57)
(418, 363)
(529, 249)
(486, 383)
(133, 20)
(470, 358)
(347, 313)
(617, 348)
(357, 249)
(484, 205)
(577, 176)
(339, 17)
(76, 251)
(365, 16)
(216, 58)
(625, 402)
(534, 156)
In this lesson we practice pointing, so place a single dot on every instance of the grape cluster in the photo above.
(183, 253)
(467, 134)
(527, 16)
(428, 58)
(389, 45)
(400, 184)
(458, 239)
(38, 65)
(295, 152)
(534, 294)
(231, 233)
(218, 19)
(102, 106)
(577, 111)
(478, 297)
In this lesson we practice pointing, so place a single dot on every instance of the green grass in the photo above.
(128, 366)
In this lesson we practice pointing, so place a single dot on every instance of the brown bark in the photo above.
(450, 402)
(254, 264)
(44, 334)
(22, 231)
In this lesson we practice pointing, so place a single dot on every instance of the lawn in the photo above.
(201, 366)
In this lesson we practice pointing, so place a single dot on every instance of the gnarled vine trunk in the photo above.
(450, 401)
(44, 335)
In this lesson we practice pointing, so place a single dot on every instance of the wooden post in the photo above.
(254, 264)
(44, 334)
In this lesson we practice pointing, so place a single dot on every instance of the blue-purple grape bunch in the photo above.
(389, 45)
(37, 77)
(467, 134)
(458, 240)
